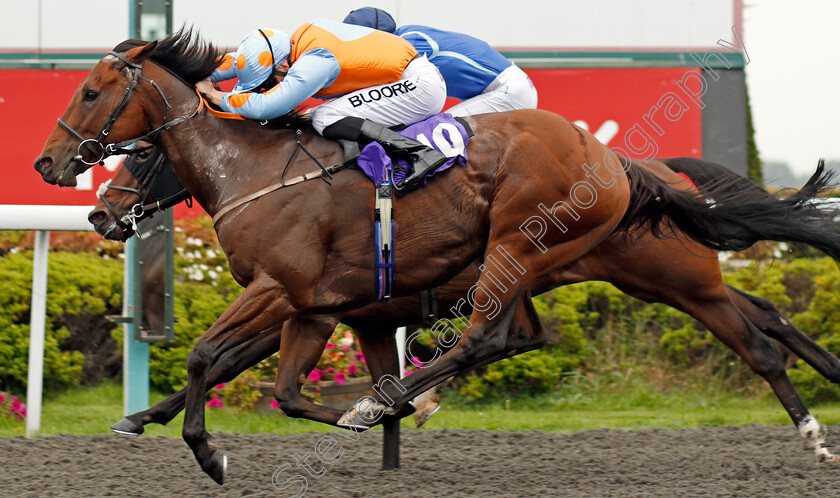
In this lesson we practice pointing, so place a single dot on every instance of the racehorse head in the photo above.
(119, 103)
(144, 184)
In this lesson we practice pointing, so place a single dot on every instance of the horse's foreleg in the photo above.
(735, 330)
(232, 363)
(379, 346)
(764, 315)
(304, 339)
(260, 307)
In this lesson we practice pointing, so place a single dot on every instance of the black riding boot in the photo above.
(423, 159)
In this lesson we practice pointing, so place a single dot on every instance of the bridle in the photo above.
(146, 178)
(104, 150)
(95, 145)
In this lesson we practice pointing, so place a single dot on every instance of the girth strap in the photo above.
(384, 238)
(429, 307)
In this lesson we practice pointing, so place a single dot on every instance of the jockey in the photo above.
(373, 79)
(482, 78)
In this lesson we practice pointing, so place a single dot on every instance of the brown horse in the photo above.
(637, 272)
(302, 253)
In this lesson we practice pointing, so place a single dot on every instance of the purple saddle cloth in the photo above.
(441, 131)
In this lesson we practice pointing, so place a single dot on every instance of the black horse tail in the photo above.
(731, 213)
(702, 172)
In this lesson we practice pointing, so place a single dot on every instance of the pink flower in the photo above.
(416, 361)
(16, 405)
(329, 370)
(352, 370)
(340, 377)
(330, 345)
(314, 375)
(2, 399)
(347, 348)
(362, 359)
(215, 403)
(275, 404)
(220, 386)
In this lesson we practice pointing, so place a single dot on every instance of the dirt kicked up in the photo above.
(728, 461)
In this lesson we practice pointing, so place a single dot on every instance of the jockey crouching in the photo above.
(374, 79)
(475, 73)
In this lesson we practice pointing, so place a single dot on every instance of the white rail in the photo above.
(42, 219)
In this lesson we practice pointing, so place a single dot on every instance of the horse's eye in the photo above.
(90, 95)
(143, 155)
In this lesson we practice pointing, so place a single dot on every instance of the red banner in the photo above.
(641, 110)
(644, 111)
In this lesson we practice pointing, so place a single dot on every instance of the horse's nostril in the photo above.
(43, 163)
(97, 217)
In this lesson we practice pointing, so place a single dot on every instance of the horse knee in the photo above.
(470, 350)
(288, 400)
(763, 359)
(199, 358)
(193, 434)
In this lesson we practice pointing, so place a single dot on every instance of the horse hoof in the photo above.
(362, 415)
(217, 468)
(423, 416)
(828, 458)
(128, 426)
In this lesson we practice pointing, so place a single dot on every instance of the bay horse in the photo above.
(302, 250)
(637, 272)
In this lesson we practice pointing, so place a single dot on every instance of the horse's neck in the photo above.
(192, 149)
(220, 161)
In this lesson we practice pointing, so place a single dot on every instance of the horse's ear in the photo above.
(140, 54)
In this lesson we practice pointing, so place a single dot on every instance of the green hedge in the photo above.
(603, 336)
(81, 288)
(598, 335)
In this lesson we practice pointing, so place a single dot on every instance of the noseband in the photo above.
(147, 178)
(101, 150)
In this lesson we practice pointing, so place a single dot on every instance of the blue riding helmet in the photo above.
(372, 18)
(258, 55)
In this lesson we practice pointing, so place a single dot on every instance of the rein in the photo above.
(322, 173)
(102, 150)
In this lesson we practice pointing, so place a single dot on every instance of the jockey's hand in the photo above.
(207, 88)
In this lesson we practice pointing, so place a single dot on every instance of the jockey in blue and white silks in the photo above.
(475, 73)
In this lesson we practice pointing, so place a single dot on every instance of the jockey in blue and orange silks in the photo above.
(374, 80)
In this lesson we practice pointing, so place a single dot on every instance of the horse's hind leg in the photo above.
(764, 315)
(718, 313)
(232, 363)
(520, 330)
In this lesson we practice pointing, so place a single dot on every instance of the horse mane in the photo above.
(185, 54)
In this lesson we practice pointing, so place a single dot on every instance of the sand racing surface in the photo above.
(726, 461)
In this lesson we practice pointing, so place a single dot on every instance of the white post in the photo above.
(38, 319)
(43, 219)
(401, 349)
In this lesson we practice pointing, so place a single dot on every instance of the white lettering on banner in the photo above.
(607, 131)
